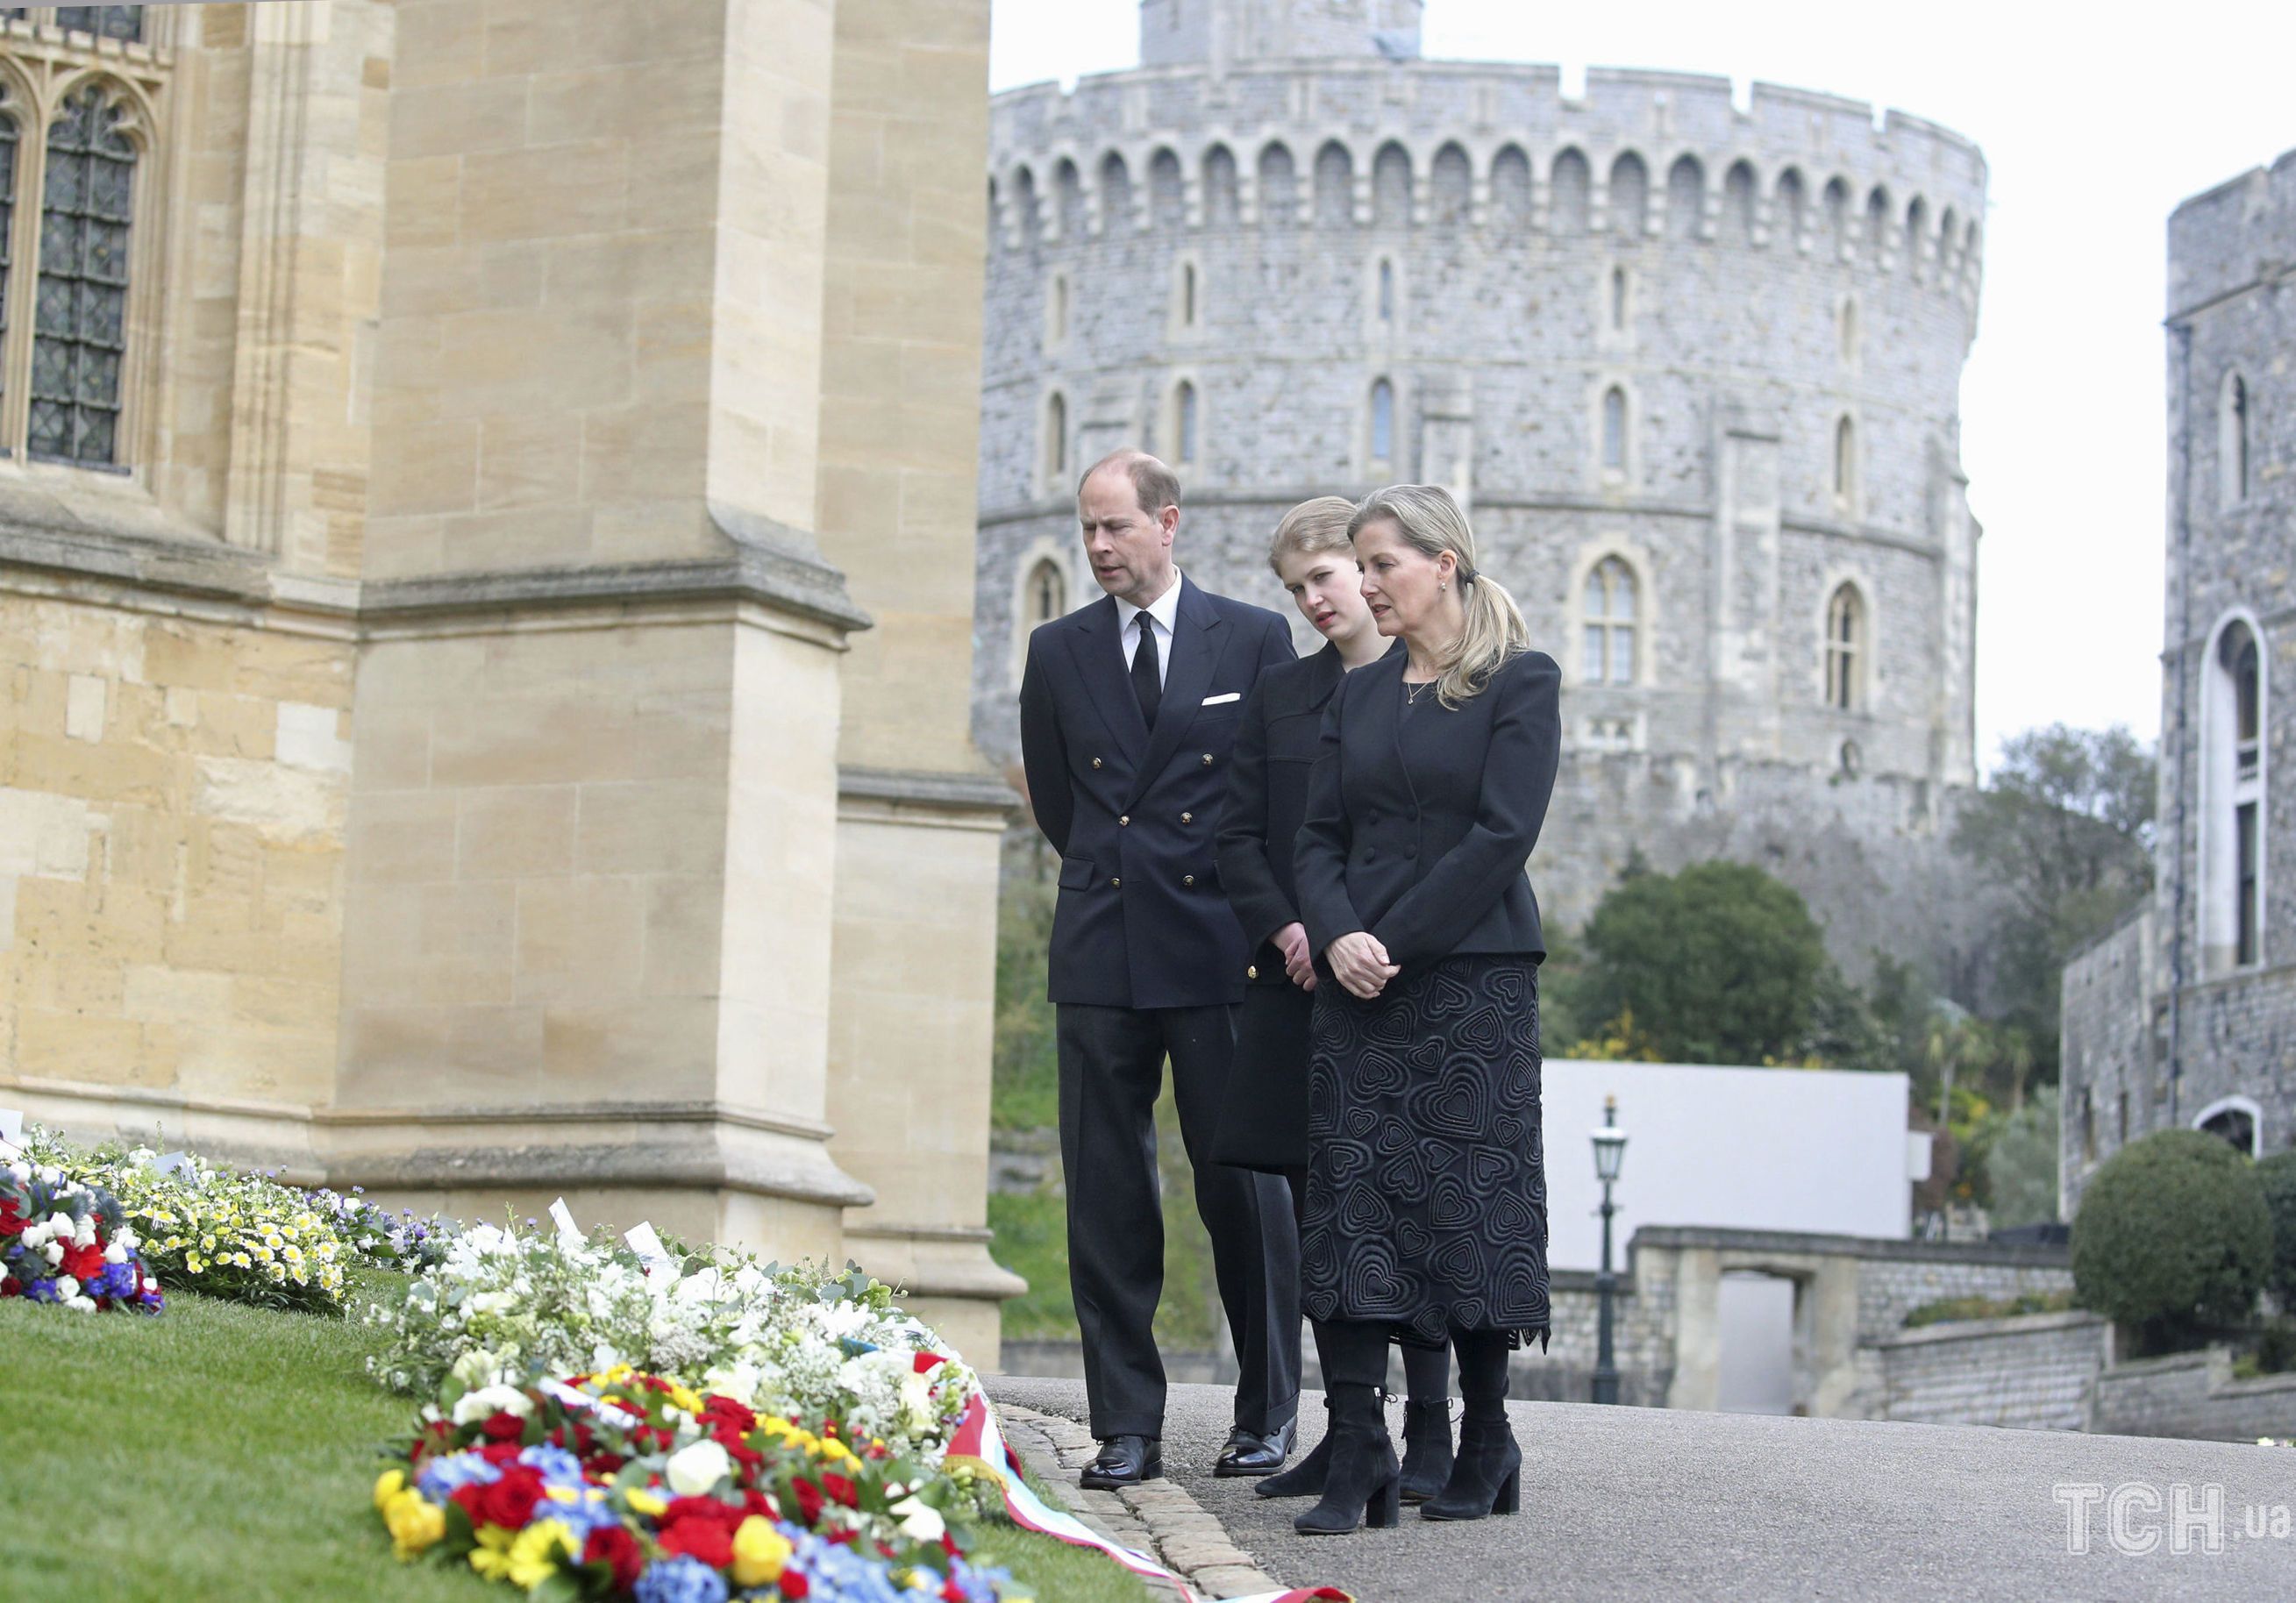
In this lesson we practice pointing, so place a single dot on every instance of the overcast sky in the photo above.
(2095, 122)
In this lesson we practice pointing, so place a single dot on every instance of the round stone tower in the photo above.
(1693, 365)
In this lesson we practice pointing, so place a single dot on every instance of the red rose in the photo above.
(948, 1543)
(82, 1263)
(841, 1490)
(792, 1583)
(714, 1408)
(699, 1538)
(809, 1502)
(501, 1452)
(953, 1593)
(925, 1362)
(602, 1464)
(509, 1502)
(11, 1218)
(616, 1548)
(503, 1426)
(10, 1286)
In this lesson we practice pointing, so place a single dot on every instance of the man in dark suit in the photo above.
(1127, 709)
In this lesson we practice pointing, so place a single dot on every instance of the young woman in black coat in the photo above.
(1264, 1121)
(1426, 1200)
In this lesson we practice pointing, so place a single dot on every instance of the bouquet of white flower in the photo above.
(502, 1307)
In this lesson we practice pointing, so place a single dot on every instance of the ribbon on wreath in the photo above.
(980, 1444)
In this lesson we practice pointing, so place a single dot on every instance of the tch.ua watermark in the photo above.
(2137, 1518)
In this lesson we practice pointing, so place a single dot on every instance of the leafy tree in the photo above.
(2021, 1164)
(1720, 963)
(2173, 1238)
(2064, 829)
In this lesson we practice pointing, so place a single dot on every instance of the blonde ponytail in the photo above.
(1433, 523)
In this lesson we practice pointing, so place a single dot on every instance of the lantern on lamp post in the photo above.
(1610, 1151)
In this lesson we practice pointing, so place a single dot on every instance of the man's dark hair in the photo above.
(1156, 484)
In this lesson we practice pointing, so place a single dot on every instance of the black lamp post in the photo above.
(1610, 1149)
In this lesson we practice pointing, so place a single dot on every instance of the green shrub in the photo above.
(1947, 1309)
(2278, 1176)
(2173, 1238)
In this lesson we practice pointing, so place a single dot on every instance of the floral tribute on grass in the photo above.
(242, 1237)
(503, 1306)
(69, 1244)
(629, 1484)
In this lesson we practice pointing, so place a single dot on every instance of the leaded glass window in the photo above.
(81, 332)
(104, 21)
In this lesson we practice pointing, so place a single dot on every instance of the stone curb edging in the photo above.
(1158, 1518)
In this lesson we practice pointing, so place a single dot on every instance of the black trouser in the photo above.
(1111, 1067)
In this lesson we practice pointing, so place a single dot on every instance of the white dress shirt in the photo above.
(1160, 613)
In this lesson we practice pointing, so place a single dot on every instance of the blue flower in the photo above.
(40, 1291)
(680, 1580)
(440, 1476)
(558, 1467)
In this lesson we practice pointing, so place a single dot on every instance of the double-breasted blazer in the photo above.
(1275, 746)
(1140, 921)
(1419, 825)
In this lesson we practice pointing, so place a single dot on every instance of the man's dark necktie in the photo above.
(1145, 684)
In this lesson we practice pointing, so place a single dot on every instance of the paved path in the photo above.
(1655, 1504)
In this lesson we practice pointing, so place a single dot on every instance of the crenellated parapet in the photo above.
(1492, 146)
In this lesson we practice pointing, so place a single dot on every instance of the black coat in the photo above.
(1419, 825)
(1276, 747)
(1140, 921)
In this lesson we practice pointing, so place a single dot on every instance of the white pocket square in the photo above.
(1215, 700)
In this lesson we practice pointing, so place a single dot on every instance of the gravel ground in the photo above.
(1656, 1504)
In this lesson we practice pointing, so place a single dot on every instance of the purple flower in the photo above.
(40, 1291)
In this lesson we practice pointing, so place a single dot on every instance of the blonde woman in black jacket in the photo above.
(1264, 1122)
(1426, 1199)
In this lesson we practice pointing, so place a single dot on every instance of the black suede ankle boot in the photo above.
(1426, 1448)
(1487, 1477)
(1362, 1482)
(1306, 1478)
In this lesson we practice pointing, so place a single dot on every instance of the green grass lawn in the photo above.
(221, 1451)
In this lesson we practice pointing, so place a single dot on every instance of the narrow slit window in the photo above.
(1187, 295)
(1614, 431)
(2244, 885)
(1619, 299)
(1383, 420)
(1185, 406)
(1845, 460)
(1056, 440)
(1386, 290)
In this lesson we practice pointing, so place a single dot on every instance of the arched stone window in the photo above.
(1184, 422)
(2232, 435)
(1630, 196)
(1451, 183)
(1115, 196)
(1837, 218)
(1611, 610)
(1392, 186)
(1382, 423)
(1790, 206)
(1510, 188)
(1846, 649)
(1569, 182)
(1048, 592)
(1335, 186)
(1055, 449)
(1845, 464)
(80, 337)
(1220, 199)
(2236, 1120)
(1739, 185)
(1686, 199)
(1877, 227)
(1614, 431)
(1279, 185)
(2234, 756)
(1187, 296)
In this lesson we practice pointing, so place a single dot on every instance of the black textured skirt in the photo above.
(1264, 1115)
(1426, 1186)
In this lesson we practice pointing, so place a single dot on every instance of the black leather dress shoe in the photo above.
(1249, 1452)
(1124, 1461)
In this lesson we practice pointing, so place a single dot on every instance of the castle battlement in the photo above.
(1818, 173)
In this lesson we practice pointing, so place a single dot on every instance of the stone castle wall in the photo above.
(1283, 237)
(2164, 1016)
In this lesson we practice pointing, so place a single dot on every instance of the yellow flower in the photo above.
(195, 1264)
(680, 1397)
(760, 1552)
(643, 1501)
(534, 1556)
(415, 1522)
(387, 1486)
(491, 1557)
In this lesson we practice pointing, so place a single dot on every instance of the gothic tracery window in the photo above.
(1048, 592)
(80, 340)
(1611, 605)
